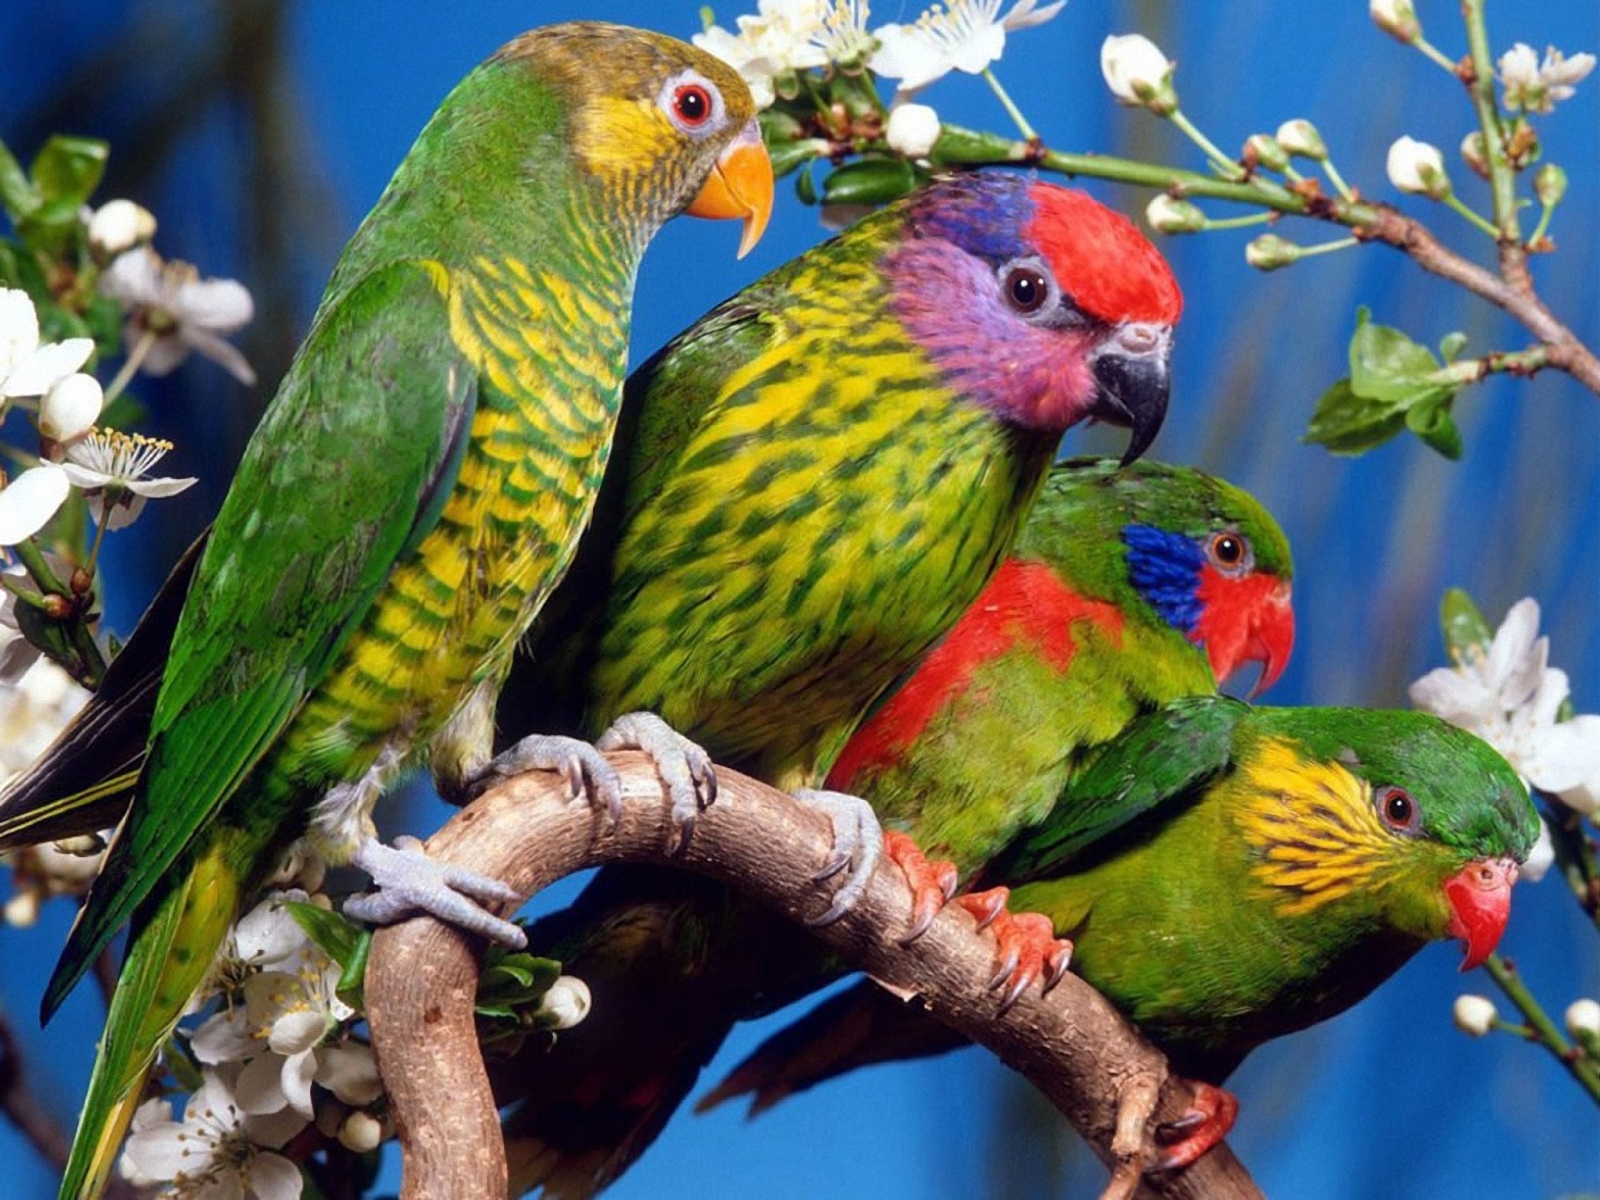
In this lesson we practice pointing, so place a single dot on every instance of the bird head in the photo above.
(1200, 554)
(663, 126)
(1038, 302)
(1410, 817)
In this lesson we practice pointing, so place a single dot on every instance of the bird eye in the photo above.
(1026, 289)
(692, 103)
(1397, 809)
(1228, 551)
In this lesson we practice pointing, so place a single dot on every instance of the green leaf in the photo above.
(1451, 346)
(352, 980)
(1465, 631)
(1349, 424)
(1385, 364)
(1431, 421)
(68, 169)
(791, 156)
(18, 195)
(870, 181)
(805, 186)
(339, 936)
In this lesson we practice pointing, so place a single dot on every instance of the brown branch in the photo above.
(421, 981)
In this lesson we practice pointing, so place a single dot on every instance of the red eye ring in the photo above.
(692, 104)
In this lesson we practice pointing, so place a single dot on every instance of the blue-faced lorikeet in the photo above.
(413, 494)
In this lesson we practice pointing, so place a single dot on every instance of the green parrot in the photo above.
(1229, 875)
(412, 496)
(1129, 587)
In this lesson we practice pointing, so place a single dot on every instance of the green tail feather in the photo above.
(167, 959)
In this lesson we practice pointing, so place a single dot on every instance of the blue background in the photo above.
(259, 132)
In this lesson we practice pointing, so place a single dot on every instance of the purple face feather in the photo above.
(946, 292)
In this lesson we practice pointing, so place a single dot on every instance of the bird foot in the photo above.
(685, 768)
(589, 775)
(933, 881)
(407, 881)
(1028, 948)
(1211, 1115)
(857, 844)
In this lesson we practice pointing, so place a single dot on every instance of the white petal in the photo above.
(1541, 858)
(1540, 708)
(1566, 760)
(19, 328)
(976, 52)
(226, 1184)
(165, 356)
(260, 1086)
(47, 366)
(350, 1072)
(134, 278)
(165, 1150)
(1454, 696)
(1023, 15)
(297, 1032)
(161, 487)
(298, 1072)
(908, 56)
(273, 1177)
(17, 655)
(224, 354)
(30, 500)
(220, 305)
(225, 1036)
(267, 935)
(1514, 640)
(274, 1129)
(1519, 65)
(70, 408)
(84, 477)
(118, 225)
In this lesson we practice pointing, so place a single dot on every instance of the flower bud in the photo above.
(1418, 167)
(1473, 153)
(1474, 1015)
(1138, 73)
(70, 409)
(84, 845)
(22, 910)
(360, 1133)
(1583, 1020)
(1266, 150)
(1396, 17)
(1168, 214)
(565, 1004)
(912, 129)
(1301, 139)
(119, 225)
(1550, 184)
(1269, 252)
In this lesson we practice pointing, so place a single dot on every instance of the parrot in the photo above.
(1228, 875)
(412, 495)
(1129, 586)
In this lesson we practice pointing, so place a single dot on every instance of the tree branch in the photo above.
(422, 977)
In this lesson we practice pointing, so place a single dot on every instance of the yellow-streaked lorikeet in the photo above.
(413, 494)
(1230, 875)
(1126, 588)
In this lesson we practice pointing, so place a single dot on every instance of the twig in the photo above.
(1540, 1028)
(422, 978)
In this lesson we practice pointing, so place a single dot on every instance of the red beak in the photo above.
(1245, 620)
(1480, 905)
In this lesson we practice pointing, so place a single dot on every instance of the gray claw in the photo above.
(857, 844)
(408, 882)
(588, 774)
(685, 768)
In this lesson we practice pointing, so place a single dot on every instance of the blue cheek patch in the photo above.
(1165, 569)
(983, 214)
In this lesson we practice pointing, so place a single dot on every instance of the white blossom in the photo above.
(1510, 697)
(26, 367)
(1535, 86)
(565, 1004)
(29, 501)
(784, 36)
(33, 710)
(1583, 1019)
(266, 937)
(111, 467)
(217, 1152)
(1418, 167)
(1397, 17)
(184, 312)
(1138, 73)
(119, 225)
(1474, 1015)
(70, 408)
(912, 129)
(958, 35)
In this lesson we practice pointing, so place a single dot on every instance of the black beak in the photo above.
(1133, 393)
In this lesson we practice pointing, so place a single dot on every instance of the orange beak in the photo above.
(739, 186)
(1480, 905)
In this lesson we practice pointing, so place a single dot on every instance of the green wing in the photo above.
(1159, 758)
(348, 471)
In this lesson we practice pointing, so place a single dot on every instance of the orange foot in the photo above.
(1028, 946)
(1211, 1115)
(933, 881)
